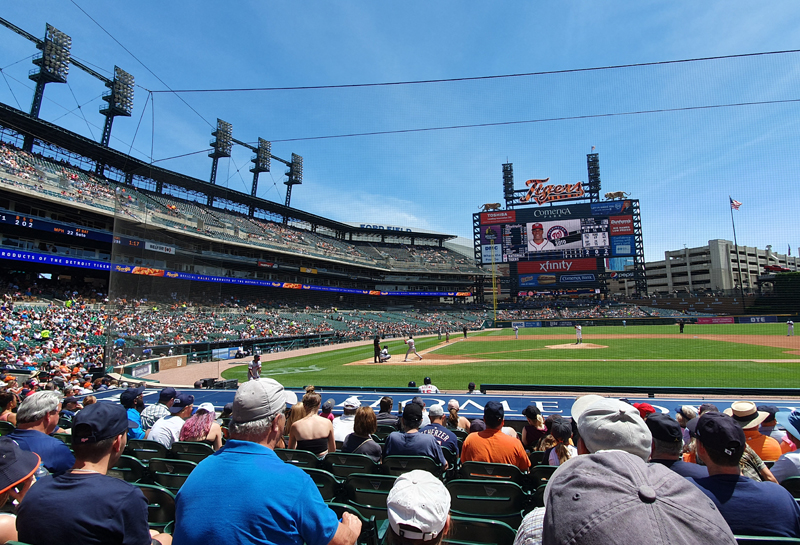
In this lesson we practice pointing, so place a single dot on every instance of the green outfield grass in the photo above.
(528, 361)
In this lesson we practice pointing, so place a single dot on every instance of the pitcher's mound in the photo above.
(576, 346)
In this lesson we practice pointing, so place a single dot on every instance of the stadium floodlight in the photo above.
(120, 95)
(53, 62)
(261, 160)
(508, 182)
(296, 170)
(223, 143)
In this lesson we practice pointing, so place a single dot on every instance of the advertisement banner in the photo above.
(620, 225)
(716, 320)
(609, 208)
(758, 319)
(509, 216)
(534, 280)
(557, 265)
(159, 248)
(623, 245)
(486, 253)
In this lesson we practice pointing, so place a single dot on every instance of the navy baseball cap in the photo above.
(167, 394)
(412, 412)
(182, 401)
(493, 413)
(721, 433)
(100, 421)
(128, 396)
(771, 409)
(664, 428)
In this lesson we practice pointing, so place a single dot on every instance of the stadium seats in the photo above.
(496, 500)
(192, 451)
(129, 469)
(329, 487)
(171, 474)
(762, 540)
(397, 465)
(490, 471)
(536, 457)
(541, 474)
(144, 449)
(476, 531)
(299, 458)
(792, 484)
(371, 532)
(160, 505)
(537, 499)
(342, 464)
(384, 431)
(6, 427)
(368, 493)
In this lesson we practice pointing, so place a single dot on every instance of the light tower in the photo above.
(261, 163)
(222, 145)
(53, 65)
(119, 98)
(295, 177)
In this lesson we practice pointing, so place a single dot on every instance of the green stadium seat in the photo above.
(541, 474)
(144, 449)
(6, 427)
(792, 484)
(384, 431)
(368, 493)
(130, 469)
(169, 473)
(496, 500)
(536, 457)
(476, 531)
(330, 488)
(342, 464)
(299, 458)
(537, 499)
(64, 437)
(160, 505)
(371, 533)
(397, 465)
(193, 451)
(490, 471)
(761, 540)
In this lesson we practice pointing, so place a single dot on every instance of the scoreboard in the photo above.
(558, 247)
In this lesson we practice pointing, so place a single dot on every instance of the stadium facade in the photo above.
(715, 267)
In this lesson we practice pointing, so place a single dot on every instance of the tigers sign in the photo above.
(541, 194)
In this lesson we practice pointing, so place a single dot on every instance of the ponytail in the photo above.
(453, 418)
(562, 452)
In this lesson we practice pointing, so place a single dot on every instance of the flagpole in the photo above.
(738, 259)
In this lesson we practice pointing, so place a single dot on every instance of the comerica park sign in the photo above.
(540, 193)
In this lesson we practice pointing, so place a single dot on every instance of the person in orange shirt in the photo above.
(749, 418)
(492, 445)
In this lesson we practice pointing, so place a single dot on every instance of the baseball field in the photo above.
(729, 355)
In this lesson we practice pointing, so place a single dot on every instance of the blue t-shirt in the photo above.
(413, 444)
(83, 509)
(244, 494)
(752, 508)
(137, 432)
(56, 456)
(446, 438)
(684, 469)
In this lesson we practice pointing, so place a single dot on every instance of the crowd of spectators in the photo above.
(608, 452)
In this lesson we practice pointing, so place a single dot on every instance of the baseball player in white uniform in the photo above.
(578, 334)
(536, 240)
(411, 348)
(790, 328)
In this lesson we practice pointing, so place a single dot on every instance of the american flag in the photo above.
(735, 204)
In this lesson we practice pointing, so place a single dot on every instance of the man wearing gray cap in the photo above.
(256, 497)
(615, 497)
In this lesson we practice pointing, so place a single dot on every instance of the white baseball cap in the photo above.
(418, 505)
(351, 402)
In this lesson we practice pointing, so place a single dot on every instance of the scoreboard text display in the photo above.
(558, 247)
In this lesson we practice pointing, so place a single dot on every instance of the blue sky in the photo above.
(682, 165)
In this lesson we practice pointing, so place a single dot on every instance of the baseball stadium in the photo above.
(125, 283)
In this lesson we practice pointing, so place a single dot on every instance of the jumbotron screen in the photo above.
(560, 247)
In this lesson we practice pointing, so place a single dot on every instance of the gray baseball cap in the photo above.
(615, 497)
(610, 424)
(256, 399)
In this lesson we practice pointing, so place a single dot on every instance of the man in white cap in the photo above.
(254, 496)
(343, 425)
(418, 508)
